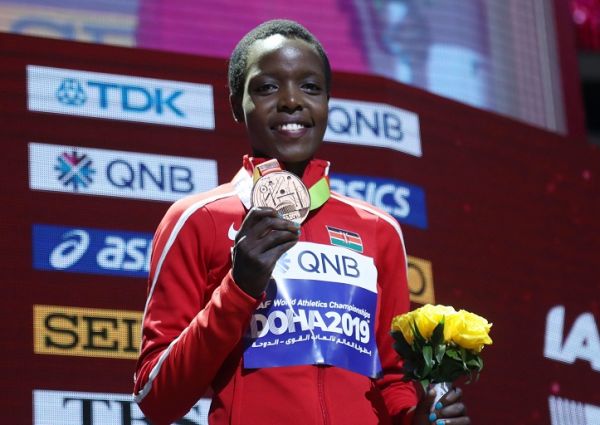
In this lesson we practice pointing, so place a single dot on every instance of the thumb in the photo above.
(426, 402)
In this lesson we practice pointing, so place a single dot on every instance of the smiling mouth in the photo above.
(291, 127)
(292, 130)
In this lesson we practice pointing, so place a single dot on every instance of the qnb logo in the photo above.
(570, 412)
(71, 92)
(343, 265)
(64, 255)
(373, 124)
(92, 251)
(357, 122)
(133, 175)
(124, 174)
(282, 265)
(74, 170)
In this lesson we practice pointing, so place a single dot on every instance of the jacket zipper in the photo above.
(320, 368)
(321, 389)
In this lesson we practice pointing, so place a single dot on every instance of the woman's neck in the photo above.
(296, 168)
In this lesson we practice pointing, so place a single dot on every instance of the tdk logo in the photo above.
(71, 93)
(373, 124)
(103, 172)
(133, 98)
(120, 97)
(92, 251)
(87, 408)
(404, 201)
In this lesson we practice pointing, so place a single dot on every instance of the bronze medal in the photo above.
(284, 192)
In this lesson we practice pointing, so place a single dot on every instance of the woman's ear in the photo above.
(236, 108)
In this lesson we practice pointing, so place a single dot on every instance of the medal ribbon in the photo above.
(319, 193)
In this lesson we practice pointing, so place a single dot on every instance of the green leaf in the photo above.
(463, 356)
(428, 359)
(437, 337)
(419, 340)
(451, 366)
(472, 363)
(428, 355)
(418, 372)
(453, 354)
(439, 353)
(479, 363)
(408, 369)
(475, 363)
(401, 346)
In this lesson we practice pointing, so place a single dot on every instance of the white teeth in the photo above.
(291, 127)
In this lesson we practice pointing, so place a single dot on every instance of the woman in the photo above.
(224, 314)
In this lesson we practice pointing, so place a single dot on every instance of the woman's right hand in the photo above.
(263, 237)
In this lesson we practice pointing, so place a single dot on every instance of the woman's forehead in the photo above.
(273, 42)
(285, 48)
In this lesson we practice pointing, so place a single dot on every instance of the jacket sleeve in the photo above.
(400, 397)
(187, 332)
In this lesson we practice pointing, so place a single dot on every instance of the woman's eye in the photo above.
(312, 87)
(266, 88)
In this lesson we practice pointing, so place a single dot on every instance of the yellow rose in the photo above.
(403, 324)
(467, 330)
(429, 316)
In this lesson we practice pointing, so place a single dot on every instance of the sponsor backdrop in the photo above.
(498, 217)
(498, 56)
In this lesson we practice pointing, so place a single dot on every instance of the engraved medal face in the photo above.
(284, 192)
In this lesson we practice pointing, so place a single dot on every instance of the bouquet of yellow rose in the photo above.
(439, 344)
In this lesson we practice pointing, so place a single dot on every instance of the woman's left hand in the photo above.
(450, 410)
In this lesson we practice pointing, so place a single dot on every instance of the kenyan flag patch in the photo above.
(345, 239)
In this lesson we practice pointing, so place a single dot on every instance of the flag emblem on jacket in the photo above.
(345, 238)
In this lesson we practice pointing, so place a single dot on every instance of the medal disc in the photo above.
(284, 192)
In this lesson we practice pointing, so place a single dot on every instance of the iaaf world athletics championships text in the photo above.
(319, 304)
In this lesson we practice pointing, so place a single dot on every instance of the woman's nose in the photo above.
(290, 99)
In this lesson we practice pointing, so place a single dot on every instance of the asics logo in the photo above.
(67, 253)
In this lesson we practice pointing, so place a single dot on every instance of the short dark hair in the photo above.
(238, 62)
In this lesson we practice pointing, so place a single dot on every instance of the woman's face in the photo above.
(285, 100)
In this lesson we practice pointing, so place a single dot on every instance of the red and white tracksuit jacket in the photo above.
(196, 316)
